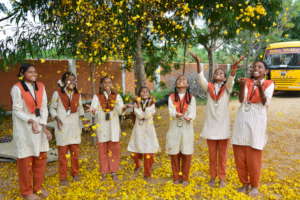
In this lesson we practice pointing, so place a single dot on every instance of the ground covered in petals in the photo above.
(280, 176)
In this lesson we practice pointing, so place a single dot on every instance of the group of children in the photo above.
(31, 135)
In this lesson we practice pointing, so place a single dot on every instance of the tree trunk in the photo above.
(92, 75)
(210, 62)
(139, 68)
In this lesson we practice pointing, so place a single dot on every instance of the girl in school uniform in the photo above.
(216, 128)
(107, 106)
(249, 135)
(180, 136)
(66, 108)
(30, 135)
(143, 142)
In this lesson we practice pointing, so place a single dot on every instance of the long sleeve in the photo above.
(202, 81)
(171, 107)
(191, 113)
(269, 93)
(54, 105)
(44, 109)
(95, 103)
(80, 107)
(17, 106)
(119, 105)
(230, 83)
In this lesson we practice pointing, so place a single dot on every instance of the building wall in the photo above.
(51, 70)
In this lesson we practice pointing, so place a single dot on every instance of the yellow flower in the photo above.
(42, 60)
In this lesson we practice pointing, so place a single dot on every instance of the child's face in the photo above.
(258, 70)
(219, 75)
(30, 74)
(145, 93)
(71, 82)
(182, 82)
(107, 84)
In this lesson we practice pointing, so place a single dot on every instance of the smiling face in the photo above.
(30, 75)
(70, 82)
(182, 82)
(107, 84)
(258, 70)
(219, 75)
(145, 93)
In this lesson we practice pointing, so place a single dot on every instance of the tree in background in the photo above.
(224, 20)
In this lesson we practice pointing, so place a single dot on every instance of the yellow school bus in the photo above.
(283, 60)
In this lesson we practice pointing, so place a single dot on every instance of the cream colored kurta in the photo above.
(181, 139)
(251, 126)
(143, 138)
(27, 143)
(108, 130)
(71, 129)
(217, 122)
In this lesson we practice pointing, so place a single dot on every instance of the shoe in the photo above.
(136, 171)
(103, 177)
(176, 182)
(76, 178)
(243, 189)
(222, 184)
(212, 183)
(43, 193)
(114, 176)
(254, 192)
(185, 183)
(64, 183)
(31, 197)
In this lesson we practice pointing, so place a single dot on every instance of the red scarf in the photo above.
(212, 91)
(69, 104)
(181, 105)
(31, 103)
(107, 105)
(253, 95)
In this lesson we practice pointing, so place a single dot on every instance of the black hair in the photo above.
(101, 82)
(265, 65)
(261, 61)
(140, 90)
(188, 96)
(225, 75)
(23, 68)
(64, 78)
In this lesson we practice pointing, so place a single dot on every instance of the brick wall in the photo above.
(51, 70)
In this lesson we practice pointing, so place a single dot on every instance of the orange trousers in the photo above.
(181, 165)
(148, 162)
(248, 164)
(109, 156)
(63, 162)
(31, 172)
(217, 150)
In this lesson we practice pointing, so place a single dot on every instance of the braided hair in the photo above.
(23, 69)
(101, 90)
(63, 79)
(188, 96)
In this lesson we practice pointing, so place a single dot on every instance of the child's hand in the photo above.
(196, 58)
(257, 83)
(59, 123)
(187, 118)
(48, 133)
(235, 66)
(34, 126)
(179, 115)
